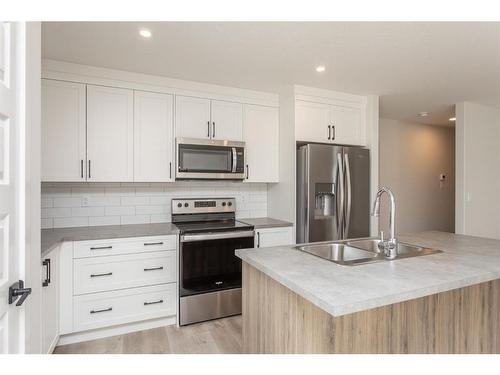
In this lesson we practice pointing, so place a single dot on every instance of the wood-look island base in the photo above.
(277, 320)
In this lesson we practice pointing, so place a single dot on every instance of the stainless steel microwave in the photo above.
(206, 159)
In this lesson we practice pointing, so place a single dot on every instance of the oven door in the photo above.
(208, 262)
(209, 159)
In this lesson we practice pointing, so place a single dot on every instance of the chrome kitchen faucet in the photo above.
(389, 247)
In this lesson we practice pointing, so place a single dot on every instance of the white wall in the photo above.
(91, 204)
(412, 156)
(477, 169)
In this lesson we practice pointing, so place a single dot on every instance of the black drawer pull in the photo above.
(152, 243)
(101, 274)
(100, 311)
(101, 247)
(153, 269)
(153, 303)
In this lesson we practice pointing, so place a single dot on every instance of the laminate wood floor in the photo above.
(221, 336)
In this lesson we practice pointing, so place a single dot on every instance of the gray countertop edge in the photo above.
(265, 222)
(369, 303)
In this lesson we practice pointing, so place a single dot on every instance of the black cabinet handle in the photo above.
(101, 274)
(213, 131)
(153, 269)
(258, 239)
(329, 132)
(247, 172)
(89, 170)
(100, 311)
(152, 243)
(81, 168)
(46, 263)
(153, 303)
(101, 247)
(333, 130)
(170, 168)
(208, 129)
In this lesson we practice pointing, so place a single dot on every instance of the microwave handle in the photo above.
(235, 160)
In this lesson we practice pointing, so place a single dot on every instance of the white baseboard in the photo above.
(100, 333)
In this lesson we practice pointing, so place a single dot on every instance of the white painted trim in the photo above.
(116, 330)
(316, 95)
(64, 71)
(460, 170)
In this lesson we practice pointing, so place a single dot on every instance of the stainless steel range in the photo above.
(209, 272)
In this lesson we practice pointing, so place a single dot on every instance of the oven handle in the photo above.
(216, 236)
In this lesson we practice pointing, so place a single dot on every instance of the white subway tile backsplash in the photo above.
(63, 204)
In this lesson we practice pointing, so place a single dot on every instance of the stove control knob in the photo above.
(186, 204)
(229, 204)
(179, 205)
(223, 204)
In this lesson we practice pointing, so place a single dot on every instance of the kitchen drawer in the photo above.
(124, 306)
(117, 246)
(101, 274)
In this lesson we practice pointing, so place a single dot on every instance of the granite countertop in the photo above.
(52, 237)
(265, 222)
(341, 290)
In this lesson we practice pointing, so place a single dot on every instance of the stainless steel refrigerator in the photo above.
(333, 193)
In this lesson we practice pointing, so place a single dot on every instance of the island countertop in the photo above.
(341, 290)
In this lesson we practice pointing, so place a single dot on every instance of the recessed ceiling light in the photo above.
(423, 114)
(452, 119)
(320, 68)
(145, 33)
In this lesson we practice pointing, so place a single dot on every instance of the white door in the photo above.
(261, 135)
(63, 131)
(110, 134)
(227, 120)
(312, 121)
(347, 125)
(153, 136)
(192, 117)
(11, 184)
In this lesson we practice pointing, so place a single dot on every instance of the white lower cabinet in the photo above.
(107, 283)
(268, 237)
(50, 300)
(99, 310)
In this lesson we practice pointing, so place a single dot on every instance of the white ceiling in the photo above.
(414, 66)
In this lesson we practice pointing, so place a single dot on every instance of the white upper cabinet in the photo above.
(227, 119)
(312, 122)
(110, 134)
(63, 131)
(329, 123)
(261, 135)
(153, 137)
(192, 117)
(209, 119)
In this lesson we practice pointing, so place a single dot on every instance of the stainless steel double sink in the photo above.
(361, 251)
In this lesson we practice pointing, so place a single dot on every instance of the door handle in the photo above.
(333, 131)
(340, 209)
(153, 269)
(329, 132)
(46, 263)
(258, 239)
(153, 303)
(18, 290)
(247, 172)
(100, 311)
(89, 170)
(81, 168)
(213, 131)
(208, 129)
(101, 274)
(101, 247)
(170, 168)
(152, 243)
(348, 193)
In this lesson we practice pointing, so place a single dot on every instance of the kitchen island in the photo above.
(449, 302)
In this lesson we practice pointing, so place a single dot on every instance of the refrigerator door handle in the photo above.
(348, 188)
(341, 206)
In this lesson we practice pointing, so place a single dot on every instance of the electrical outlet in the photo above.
(85, 201)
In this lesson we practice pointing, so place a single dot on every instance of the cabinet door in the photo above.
(227, 120)
(348, 125)
(63, 131)
(153, 136)
(110, 134)
(50, 301)
(192, 117)
(312, 121)
(261, 135)
(268, 237)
